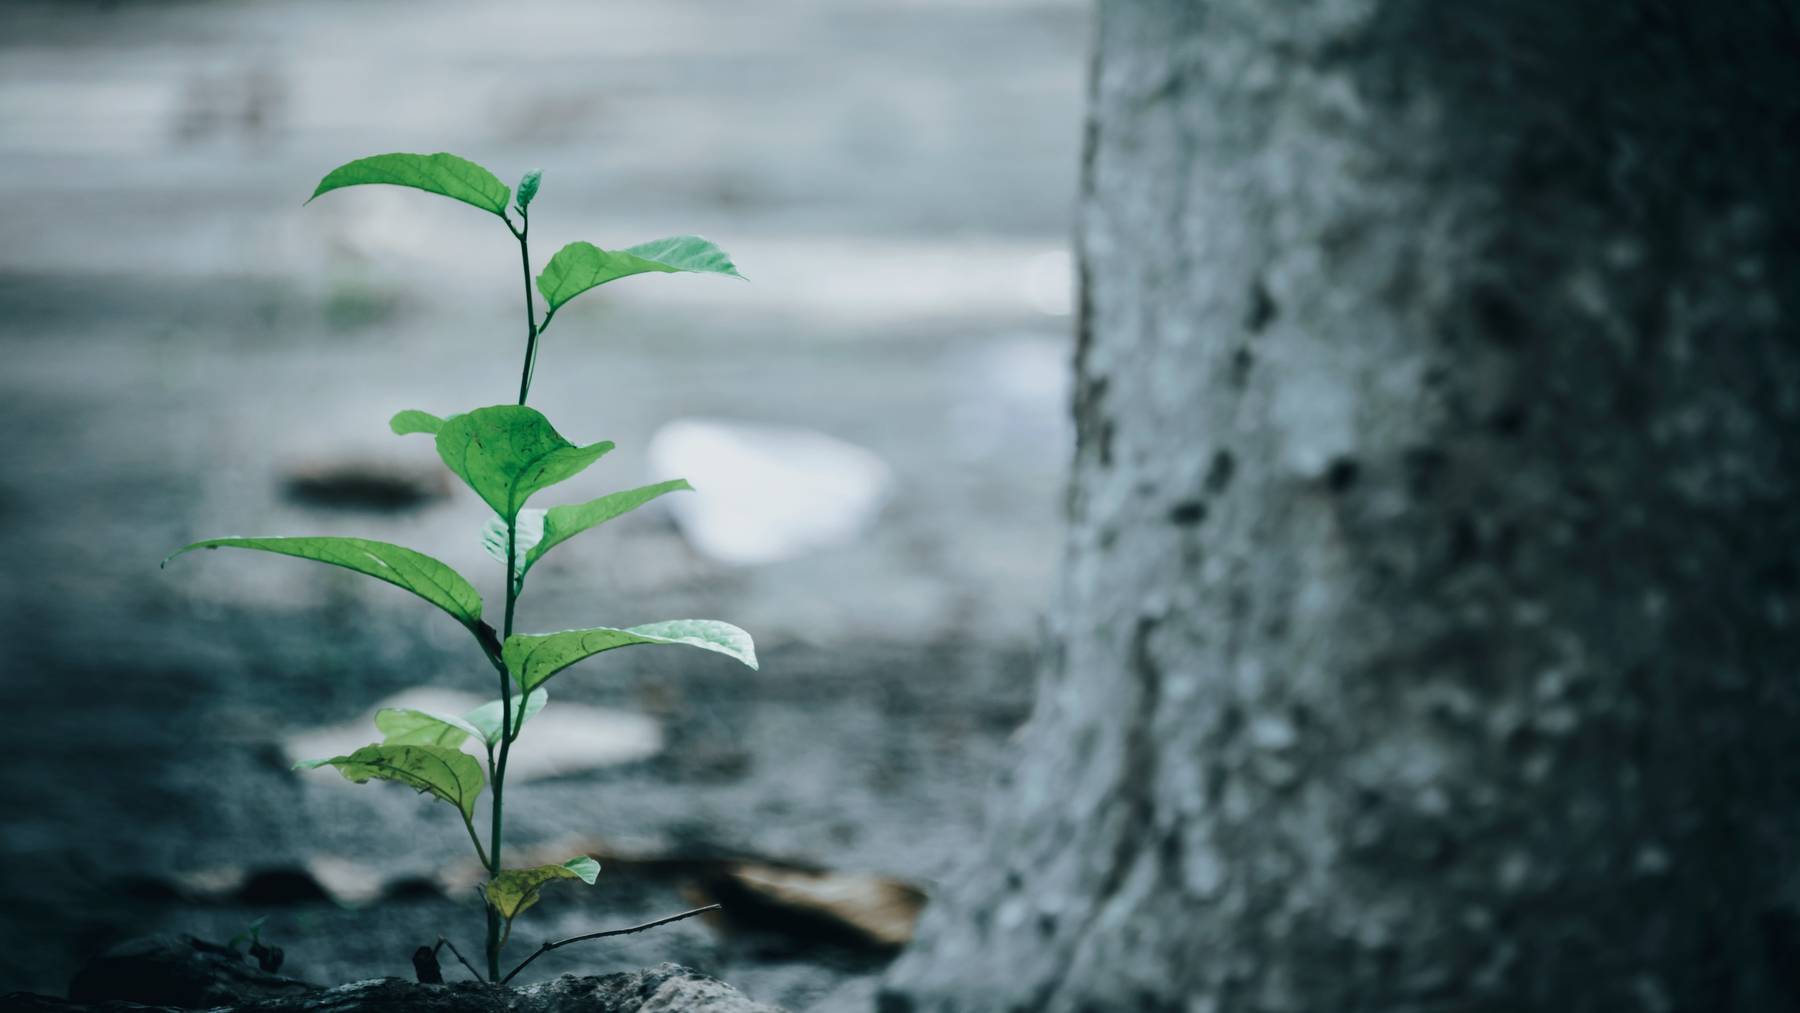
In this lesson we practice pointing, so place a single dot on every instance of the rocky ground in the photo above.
(189, 353)
(168, 973)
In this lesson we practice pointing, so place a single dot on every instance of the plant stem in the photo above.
(531, 326)
(496, 936)
(547, 947)
(470, 827)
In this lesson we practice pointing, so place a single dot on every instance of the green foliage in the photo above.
(527, 532)
(517, 889)
(565, 522)
(534, 659)
(442, 173)
(506, 454)
(416, 572)
(487, 717)
(439, 771)
(528, 187)
(405, 726)
(414, 421)
(539, 531)
(578, 267)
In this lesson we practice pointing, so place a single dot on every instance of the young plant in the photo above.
(505, 453)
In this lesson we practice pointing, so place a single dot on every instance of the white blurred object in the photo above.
(1049, 284)
(766, 493)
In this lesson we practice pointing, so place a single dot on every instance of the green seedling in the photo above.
(267, 956)
(506, 454)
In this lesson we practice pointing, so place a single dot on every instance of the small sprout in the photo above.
(528, 189)
(267, 957)
(505, 454)
(252, 933)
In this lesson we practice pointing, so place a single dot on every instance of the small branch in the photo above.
(560, 943)
(479, 853)
(442, 942)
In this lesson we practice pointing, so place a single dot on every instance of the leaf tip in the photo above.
(165, 560)
(412, 420)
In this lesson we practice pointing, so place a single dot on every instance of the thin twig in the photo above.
(442, 942)
(479, 853)
(547, 947)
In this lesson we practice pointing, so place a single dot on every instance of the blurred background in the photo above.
(190, 353)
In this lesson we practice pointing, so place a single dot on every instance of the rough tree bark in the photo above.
(1427, 638)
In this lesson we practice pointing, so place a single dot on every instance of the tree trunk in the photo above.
(1427, 635)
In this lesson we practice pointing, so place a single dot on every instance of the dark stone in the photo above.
(161, 973)
(277, 887)
(380, 486)
(1342, 474)
(426, 967)
(268, 958)
(1218, 474)
(1262, 308)
(1187, 513)
(178, 971)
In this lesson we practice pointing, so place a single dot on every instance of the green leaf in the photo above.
(514, 890)
(487, 717)
(416, 572)
(508, 452)
(530, 532)
(559, 524)
(405, 726)
(541, 530)
(578, 267)
(448, 774)
(442, 173)
(534, 659)
(414, 421)
(528, 187)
